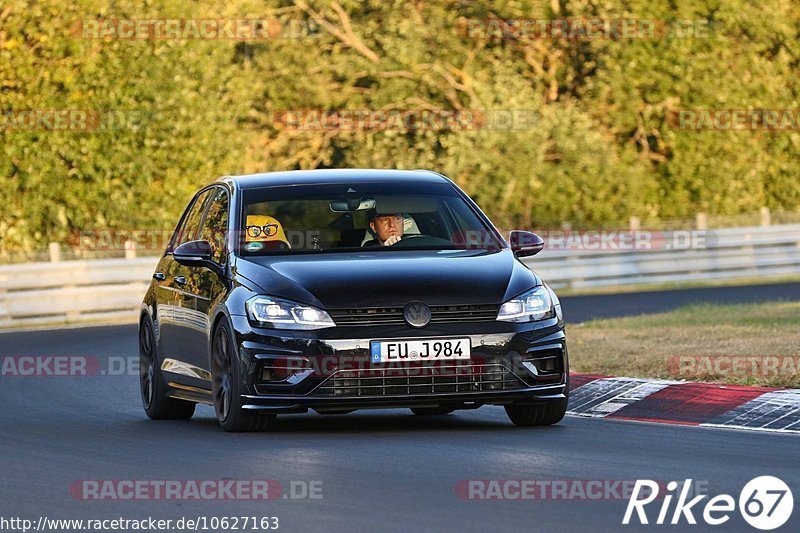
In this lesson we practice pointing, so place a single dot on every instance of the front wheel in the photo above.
(157, 404)
(544, 414)
(226, 387)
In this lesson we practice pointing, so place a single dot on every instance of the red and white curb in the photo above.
(686, 403)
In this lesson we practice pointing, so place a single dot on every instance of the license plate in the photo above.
(420, 350)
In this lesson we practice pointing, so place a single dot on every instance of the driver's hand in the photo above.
(391, 240)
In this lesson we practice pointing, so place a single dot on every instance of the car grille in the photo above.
(382, 316)
(449, 378)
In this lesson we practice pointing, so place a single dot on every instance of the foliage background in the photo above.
(601, 150)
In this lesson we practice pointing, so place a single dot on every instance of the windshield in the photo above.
(375, 217)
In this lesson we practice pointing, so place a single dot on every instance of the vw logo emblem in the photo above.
(417, 314)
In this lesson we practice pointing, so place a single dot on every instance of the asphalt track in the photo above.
(582, 308)
(380, 470)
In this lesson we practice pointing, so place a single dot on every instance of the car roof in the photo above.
(339, 175)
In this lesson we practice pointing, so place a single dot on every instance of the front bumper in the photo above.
(510, 363)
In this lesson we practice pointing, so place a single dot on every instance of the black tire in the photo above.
(432, 411)
(226, 387)
(544, 414)
(157, 404)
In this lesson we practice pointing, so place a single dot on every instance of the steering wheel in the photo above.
(421, 239)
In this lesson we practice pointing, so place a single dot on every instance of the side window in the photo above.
(215, 225)
(187, 231)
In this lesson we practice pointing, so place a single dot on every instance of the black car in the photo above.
(338, 290)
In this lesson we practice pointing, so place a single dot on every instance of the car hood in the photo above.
(389, 279)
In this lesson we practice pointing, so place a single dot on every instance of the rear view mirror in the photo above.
(525, 243)
(352, 204)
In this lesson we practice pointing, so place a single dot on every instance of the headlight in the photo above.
(285, 314)
(527, 307)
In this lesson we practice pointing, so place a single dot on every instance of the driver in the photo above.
(388, 229)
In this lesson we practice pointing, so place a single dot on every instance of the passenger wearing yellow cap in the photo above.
(264, 233)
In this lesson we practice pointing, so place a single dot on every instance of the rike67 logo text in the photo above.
(765, 503)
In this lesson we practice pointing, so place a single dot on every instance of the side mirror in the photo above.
(524, 243)
(193, 253)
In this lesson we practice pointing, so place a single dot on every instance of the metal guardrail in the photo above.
(73, 291)
(112, 289)
(727, 253)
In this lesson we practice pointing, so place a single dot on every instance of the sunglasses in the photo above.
(268, 231)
